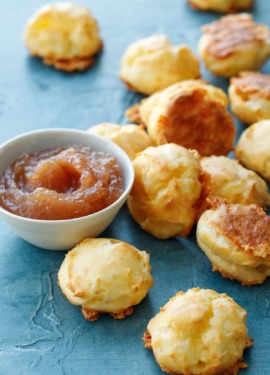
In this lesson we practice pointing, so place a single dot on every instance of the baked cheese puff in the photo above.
(131, 138)
(233, 44)
(250, 96)
(152, 64)
(105, 275)
(192, 114)
(166, 192)
(64, 35)
(221, 6)
(253, 148)
(234, 183)
(199, 332)
(236, 239)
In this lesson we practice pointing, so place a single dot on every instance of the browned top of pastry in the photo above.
(247, 226)
(252, 82)
(232, 9)
(195, 122)
(70, 65)
(233, 31)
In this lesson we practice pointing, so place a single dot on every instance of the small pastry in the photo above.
(250, 96)
(236, 184)
(223, 6)
(64, 35)
(233, 44)
(236, 239)
(167, 190)
(199, 332)
(105, 276)
(131, 138)
(253, 148)
(192, 114)
(152, 64)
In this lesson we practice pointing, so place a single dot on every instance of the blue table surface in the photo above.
(40, 331)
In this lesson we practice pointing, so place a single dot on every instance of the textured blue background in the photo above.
(40, 332)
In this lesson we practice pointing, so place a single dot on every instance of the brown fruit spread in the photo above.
(62, 183)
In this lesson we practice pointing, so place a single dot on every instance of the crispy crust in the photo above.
(147, 339)
(71, 65)
(249, 83)
(92, 315)
(247, 227)
(78, 63)
(232, 9)
(231, 32)
(194, 121)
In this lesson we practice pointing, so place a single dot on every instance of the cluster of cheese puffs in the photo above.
(183, 176)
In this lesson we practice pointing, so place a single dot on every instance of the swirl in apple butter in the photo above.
(61, 183)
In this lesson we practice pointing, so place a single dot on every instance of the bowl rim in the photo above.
(126, 158)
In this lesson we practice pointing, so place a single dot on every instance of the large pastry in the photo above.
(152, 64)
(199, 332)
(167, 190)
(233, 44)
(192, 114)
(253, 148)
(64, 35)
(236, 239)
(105, 276)
(250, 96)
(236, 184)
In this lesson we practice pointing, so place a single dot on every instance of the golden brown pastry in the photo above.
(250, 96)
(233, 44)
(199, 332)
(236, 239)
(167, 190)
(253, 148)
(152, 64)
(236, 184)
(222, 6)
(105, 276)
(131, 138)
(192, 114)
(64, 35)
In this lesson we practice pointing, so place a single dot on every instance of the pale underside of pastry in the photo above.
(253, 149)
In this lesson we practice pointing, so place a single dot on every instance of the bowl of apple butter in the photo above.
(59, 186)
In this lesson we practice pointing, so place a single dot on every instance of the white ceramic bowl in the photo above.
(63, 234)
